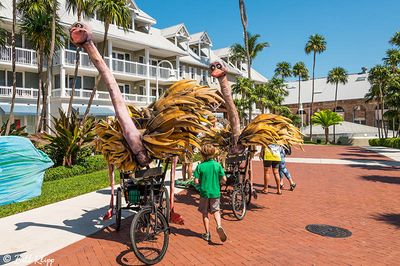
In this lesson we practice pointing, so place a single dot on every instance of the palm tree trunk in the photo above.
(326, 135)
(14, 90)
(71, 99)
(243, 17)
(49, 67)
(106, 27)
(312, 94)
(40, 85)
(298, 97)
(381, 109)
(334, 126)
(378, 122)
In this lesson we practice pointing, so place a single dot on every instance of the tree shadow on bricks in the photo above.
(382, 179)
(376, 167)
(390, 218)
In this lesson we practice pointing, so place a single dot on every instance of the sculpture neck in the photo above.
(223, 81)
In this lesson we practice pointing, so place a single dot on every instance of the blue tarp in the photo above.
(22, 169)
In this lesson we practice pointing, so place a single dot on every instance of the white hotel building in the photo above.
(141, 59)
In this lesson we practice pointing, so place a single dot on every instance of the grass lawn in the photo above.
(57, 190)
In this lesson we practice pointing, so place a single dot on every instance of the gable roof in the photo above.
(200, 37)
(177, 30)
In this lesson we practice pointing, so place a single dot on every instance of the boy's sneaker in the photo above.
(221, 233)
(206, 237)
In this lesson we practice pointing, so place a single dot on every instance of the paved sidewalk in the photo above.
(361, 198)
(393, 154)
(36, 233)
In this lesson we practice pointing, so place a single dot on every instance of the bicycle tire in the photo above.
(165, 209)
(118, 210)
(238, 202)
(247, 191)
(143, 219)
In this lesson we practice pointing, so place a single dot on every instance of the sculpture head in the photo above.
(80, 34)
(218, 69)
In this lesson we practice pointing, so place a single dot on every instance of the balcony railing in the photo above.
(120, 66)
(26, 93)
(22, 56)
(101, 95)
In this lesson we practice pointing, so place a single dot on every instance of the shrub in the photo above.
(88, 165)
(389, 142)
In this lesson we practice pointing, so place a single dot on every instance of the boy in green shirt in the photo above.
(208, 174)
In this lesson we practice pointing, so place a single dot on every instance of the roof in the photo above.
(356, 88)
(255, 75)
(223, 52)
(200, 37)
(141, 14)
(95, 110)
(176, 30)
(345, 128)
(19, 109)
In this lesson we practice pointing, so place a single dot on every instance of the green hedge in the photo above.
(88, 165)
(389, 142)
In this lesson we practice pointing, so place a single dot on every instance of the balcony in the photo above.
(101, 95)
(22, 93)
(118, 66)
(23, 56)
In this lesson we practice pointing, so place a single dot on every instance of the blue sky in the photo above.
(356, 31)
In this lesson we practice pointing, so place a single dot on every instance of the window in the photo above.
(121, 56)
(69, 79)
(360, 79)
(204, 75)
(124, 88)
(57, 83)
(141, 59)
(181, 71)
(10, 79)
(142, 90)
(88, 83)
(2, 78)
(32, 80)
(192, 72)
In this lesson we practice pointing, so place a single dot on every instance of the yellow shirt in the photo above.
(272, 154)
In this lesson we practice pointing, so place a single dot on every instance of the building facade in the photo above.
(144, 60)
(351, 102)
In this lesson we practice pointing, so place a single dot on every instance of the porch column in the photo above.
(199, 48)
(147, 80)
(178, 65)
(62, 81)
(110, 53)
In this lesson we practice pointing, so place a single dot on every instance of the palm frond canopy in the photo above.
(392, 58)
(283, 69)
(326, 118)
(34, 6)
(114, 10)
(395, 40)
(83, 8)
(238, 51)
(300, 70)
(379, 75)
(316, 43)
(337, 75)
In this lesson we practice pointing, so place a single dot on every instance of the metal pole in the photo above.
(157, 70)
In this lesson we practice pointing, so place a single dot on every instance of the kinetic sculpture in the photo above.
(136, 137)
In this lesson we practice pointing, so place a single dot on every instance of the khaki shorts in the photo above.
(207, 205)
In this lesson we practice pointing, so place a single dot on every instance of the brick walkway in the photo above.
(364, 200)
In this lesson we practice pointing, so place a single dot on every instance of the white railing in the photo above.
(101, 95)
(22, 56)
(128, 67)
(26, 93)
(120, 66)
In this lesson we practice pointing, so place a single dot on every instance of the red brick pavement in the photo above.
(364, 200)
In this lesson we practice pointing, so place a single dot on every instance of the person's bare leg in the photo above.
(184, 165)
(217, 217)
(190, 170)
(206, 223)
(266, 176)
(277, 179)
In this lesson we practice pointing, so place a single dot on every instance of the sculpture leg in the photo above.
(109, 213)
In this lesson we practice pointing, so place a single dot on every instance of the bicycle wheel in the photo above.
(238, 201)
(118, 210)
(247, 191)
(164, 203)
(149, 236)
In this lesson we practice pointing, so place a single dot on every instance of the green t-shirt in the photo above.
(209, 172)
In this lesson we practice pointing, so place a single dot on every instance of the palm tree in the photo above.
(316, 44)
(81, 8)
(392, 59)
(238, 52)
(325, 119)
(335, 76)
(244, 87)
(36, 25)
(395, 40)
(283, 69)
(14, 90)
(275, 93)
(300, 70)
(259, 96)
(379, 77)
(243, 17)
(109, 11)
